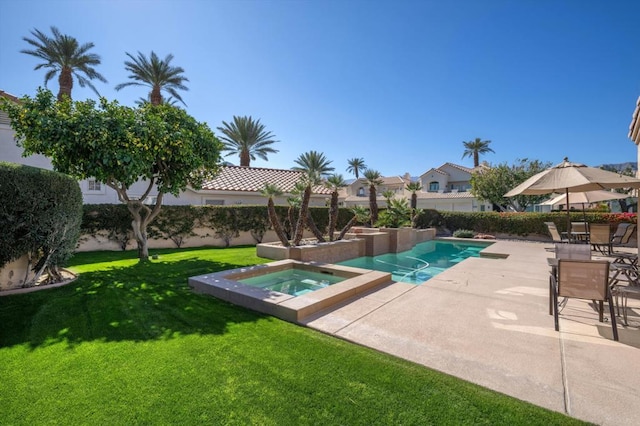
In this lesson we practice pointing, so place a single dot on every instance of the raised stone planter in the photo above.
(390, 240)
(329, 252)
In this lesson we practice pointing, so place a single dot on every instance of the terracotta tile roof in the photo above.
(9, 96)
(457, 166)
(436, 171)
(252, 179)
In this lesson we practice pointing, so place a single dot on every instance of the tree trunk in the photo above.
(275, 223)
(476, 159)
(414, 200)
(245, 158)
(66, 83)
(302, 216)
(156, 96)
(333, 214)
(314, 229)
(347, 227)
(373, 205)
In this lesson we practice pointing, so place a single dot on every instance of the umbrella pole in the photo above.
(568, 214)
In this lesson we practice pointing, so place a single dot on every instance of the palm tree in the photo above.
(475, 148)
(62, 54)
(356, 165)
(314, 165)
(156, 73)
(360, 214)
(247, 138)
(374, 179)
(334, 183)
(388, 195)
(270, 190)
(414, 187)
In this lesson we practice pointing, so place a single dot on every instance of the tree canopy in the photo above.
(475, 148)
(119, 146)
(247, 138)
(64, 55)
(492, 183)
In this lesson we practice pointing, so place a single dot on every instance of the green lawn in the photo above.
(129, 343)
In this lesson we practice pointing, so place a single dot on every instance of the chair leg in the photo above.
(613, 318)
(555, 307)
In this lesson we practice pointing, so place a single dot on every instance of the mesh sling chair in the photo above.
(583, 279)
(556, 236)
(566, 251)
(600, 238)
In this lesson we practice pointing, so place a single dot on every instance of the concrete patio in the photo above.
(487, 321)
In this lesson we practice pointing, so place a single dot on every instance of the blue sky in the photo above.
(400, 83)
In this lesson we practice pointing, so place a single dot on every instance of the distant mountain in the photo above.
(622, 166)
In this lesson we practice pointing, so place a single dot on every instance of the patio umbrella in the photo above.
(583, 198)
(572, 177)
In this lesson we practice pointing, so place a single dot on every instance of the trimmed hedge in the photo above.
(226, 222)
(40, 215)
(177, 223)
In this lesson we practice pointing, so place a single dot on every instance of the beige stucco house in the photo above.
(443, 188)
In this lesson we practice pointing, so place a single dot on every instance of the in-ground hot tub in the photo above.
(313, 286)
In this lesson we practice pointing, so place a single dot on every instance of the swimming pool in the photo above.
(422, 262)
(295, 282)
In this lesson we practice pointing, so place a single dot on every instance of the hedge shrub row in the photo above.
(226, 222)
(40, 215)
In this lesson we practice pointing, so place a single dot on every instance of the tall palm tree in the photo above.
(414, 187)
(334, 183)
(62, 54)
(374, 178)
(314, 165)
(156, 73)
(474, 148)
(270, 190)
(247, 138)
(356, 165)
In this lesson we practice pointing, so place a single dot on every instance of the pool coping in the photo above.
(224, 285)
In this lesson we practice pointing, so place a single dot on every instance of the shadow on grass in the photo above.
(145, 301)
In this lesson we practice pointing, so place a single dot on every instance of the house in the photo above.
(443, 188)
(357, 192)
(447, 188)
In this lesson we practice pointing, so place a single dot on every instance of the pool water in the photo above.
(295, 282)
(422, 262)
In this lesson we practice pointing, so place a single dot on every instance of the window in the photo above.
(482, 207)
(361, 192)
(214, 202)
(434, 186)
(94, 185)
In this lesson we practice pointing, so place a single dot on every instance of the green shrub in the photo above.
(112, 221)
(40, 217)
(463, 233)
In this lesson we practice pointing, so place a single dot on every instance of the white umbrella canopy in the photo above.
(572, 177)
(585, 197)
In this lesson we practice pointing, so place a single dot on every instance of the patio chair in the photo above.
(583, 279)
(556, 236)
(621, 238)
(565, 251)
(600, 238)
(579, 232)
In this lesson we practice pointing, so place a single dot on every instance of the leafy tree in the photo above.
(627, 171)
(334, 183)
(474, 148)
(63, 54)
(270, 190)
(491, 184)
(374, 179)
(314, 165)
(156, 73)
(119, 146)
(356, 165)
(247, 138)
(388, 195)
